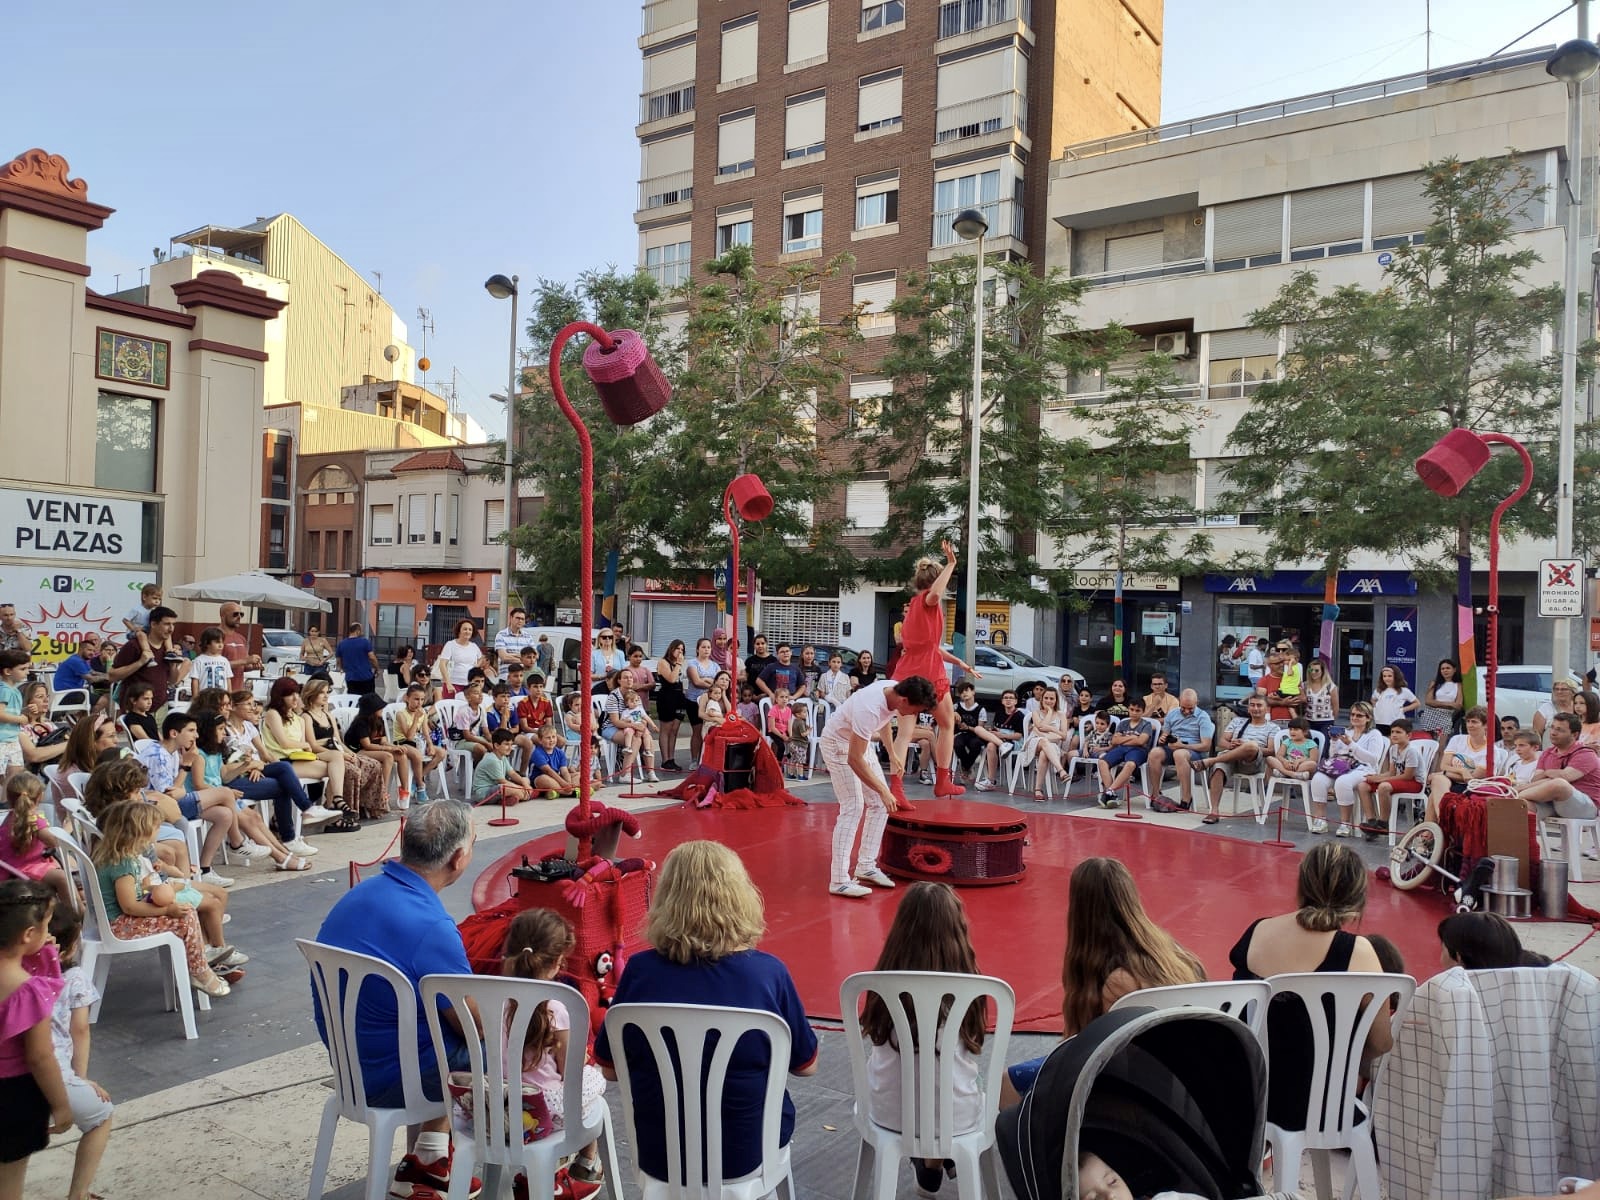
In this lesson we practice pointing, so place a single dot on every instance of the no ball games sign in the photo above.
(1561, 587)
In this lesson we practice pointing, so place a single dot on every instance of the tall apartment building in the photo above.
(1182, 233)
(810, 128)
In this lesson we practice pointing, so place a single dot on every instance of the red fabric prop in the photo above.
(1465, 821)
(484, 935)
(766, 788)
(583, 822)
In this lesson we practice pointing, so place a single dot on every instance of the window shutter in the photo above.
(1135, 252)
(1399, 205)
(416, 518)
(880, 99)
(973, 77)
(494, 520)
(669, 156)
(1241, 343)
(736, 139)
(738, 49)
(1248, 227)
(1324, 215)
(805, 122)
(669, 68)
(874, 291)
(381, 524)
(808, 31)
(866, 504)
(665, 235)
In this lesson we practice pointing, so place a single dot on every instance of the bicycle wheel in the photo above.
(1415, 855)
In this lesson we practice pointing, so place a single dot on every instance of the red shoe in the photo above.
(897, 789)
(944, 784)
(415, 1180)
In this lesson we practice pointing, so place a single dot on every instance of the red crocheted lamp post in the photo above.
(631, 388)
(748, 496)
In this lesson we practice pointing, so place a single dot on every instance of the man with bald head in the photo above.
(236, 644)
(1186, 735)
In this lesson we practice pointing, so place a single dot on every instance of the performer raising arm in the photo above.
(923, 654)
(857, 780)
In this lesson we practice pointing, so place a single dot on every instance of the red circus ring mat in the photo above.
(1203, 888)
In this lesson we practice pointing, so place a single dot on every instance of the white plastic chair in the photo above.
(927, 1122)
(458, 757)
(1289, 786)
(337, 978)
(100, 945)
(608, 749)
(1004, 752)
(439, 777)
(1336, 1045)
(494, 1142)
(1569, 847)
(1244, 998)
(73, 700)
(87, 831)
(1428, 750)
(1024, 757)
(694, 1163)
(1079, 757)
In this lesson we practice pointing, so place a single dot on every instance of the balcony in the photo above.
(986, 115)
(1187, 266)
(666, 190)
(1005, 219)
(663, 18)
(666, 103)
(966, 16)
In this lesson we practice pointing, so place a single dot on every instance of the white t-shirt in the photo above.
(884, 1097)
(212, 671)
(1411, 757)
(1389, 706)
(1521, 771)
(1263, 735)
(1462, 746)
(455, 662)
(866, 712)
(1255, 663)
(76, 992)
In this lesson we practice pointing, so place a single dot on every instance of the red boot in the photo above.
(944, 784)
(897, 789)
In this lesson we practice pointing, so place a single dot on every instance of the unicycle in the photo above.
(1417, 855)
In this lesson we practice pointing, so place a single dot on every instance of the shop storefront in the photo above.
(411, 611)
(1152, 628)
(1378, 622)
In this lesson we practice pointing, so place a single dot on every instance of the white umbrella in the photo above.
(252, 588)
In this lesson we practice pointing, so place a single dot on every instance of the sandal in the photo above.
(1210, 819)
(347, 822)
(1038, 794)
(293, 862)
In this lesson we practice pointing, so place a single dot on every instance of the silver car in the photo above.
(1006, 668)
(281, 645)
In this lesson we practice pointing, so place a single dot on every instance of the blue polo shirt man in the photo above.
(74, 672)
(360, 664)
(397, 916)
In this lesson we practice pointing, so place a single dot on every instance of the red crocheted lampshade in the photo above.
(630, 384)
(1452, 462)
(751, 498)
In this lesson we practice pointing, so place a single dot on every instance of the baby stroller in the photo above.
(1172, 1099)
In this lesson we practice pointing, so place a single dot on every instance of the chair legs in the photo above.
(324, 1150)
(380, 1150)
(608, 1156)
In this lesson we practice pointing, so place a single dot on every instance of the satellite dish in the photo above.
(392, 353)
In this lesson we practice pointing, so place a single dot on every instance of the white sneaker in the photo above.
(1344, 830)
(984, 786)
(1319, 826)
(853, 890)
(651, 777)
(210, 876)
(875, 877)
(301, 847)
(318, 813)
(251, 850)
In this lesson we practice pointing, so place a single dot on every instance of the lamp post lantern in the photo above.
(747, 497)
(972, 225)
(502, 288)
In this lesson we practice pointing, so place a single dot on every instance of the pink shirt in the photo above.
(1580, 758)
(30, 861)
(19, 1012)
(543, 1073)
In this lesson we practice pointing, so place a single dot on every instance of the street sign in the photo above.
(1561, 587)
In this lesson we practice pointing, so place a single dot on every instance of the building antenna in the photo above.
(1427, 37)
(425, 323)
(378, 275)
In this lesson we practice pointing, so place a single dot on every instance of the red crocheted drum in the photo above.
(630, 384)
(956, 842)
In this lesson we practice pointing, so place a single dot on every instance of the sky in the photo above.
(441, 144)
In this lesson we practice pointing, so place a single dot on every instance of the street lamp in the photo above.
(971, 225)
(1573, 63)
(502, 288)
(747, 496)
(1447, 468)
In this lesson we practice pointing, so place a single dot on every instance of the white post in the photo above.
(510, 563)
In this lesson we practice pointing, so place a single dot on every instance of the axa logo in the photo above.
(1400, 627)
(1242, 583)
(1368, 586)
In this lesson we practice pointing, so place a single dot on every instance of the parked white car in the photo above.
(1519, 690)
(281, 645)
(1006, 667)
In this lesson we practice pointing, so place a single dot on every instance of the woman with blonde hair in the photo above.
(705, 919)
(922, 653)
(1330, 894)
(1113, 948)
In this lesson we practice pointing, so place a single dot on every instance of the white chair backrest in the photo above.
(338, 700)
(1283, 735)
(87, 829)
(50, 772)
(505, 1006)
(96, 924)
(765, 706)
(390, 712)
(927, 1098)
(342, 715)
(1243, 998)
(694, 1165)
(337, 979)
(1085, 728)
(1430, 751)
(1332, 1002)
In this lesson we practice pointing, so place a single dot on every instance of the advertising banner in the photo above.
(59, 604)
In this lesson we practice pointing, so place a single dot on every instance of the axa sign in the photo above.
(1243, 583)
(1367, 585)
(1400, 627)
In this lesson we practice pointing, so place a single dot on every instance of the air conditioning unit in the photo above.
(1175, 344)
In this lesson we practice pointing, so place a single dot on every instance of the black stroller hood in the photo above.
(1172, 1099)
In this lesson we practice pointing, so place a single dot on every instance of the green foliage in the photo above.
(1077, 475)
(1374, 377)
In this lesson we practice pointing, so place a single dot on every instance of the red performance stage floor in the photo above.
(1203, 888)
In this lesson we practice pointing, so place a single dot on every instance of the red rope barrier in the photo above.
(355, 867)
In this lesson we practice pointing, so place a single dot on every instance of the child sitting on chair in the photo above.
(779, 717)
(1296, 757)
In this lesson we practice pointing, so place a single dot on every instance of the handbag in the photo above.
(1334, 767)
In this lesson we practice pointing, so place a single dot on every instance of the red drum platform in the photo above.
(958, 842)
(1203, 888)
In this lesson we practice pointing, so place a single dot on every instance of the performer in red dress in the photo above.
(923, 653)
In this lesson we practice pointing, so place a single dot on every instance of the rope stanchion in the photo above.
(1128, 814)
(1280, 841)
(355, 867)
(502, 821)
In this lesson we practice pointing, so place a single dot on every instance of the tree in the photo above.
(1047, 467)
(631, 509)
(760, 379)
(1373, 378)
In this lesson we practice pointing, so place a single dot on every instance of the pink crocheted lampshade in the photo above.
(1452, 462)
(751, 498)
(630, 384)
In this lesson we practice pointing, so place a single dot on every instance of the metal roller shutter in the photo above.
(686, 619)
(1324, 215)
(1248, 227)
(800, 622)
(1399, 205)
